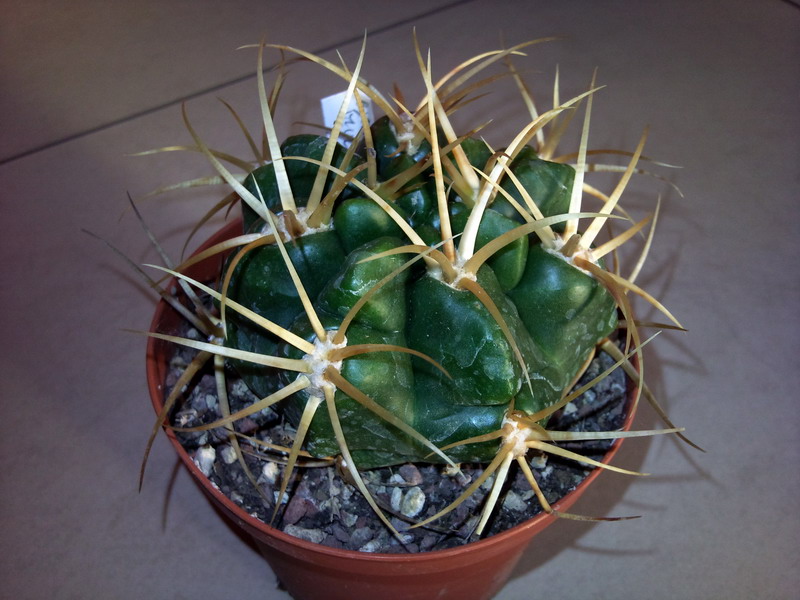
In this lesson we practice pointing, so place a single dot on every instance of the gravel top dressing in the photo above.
(322, 507)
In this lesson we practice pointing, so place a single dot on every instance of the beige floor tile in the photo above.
(717, 82)
(68, 68)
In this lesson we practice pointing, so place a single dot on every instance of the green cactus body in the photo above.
(549, 184)
(301, 174)
(392, 154)
(555, 312)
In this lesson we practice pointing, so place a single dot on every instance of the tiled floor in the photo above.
(86, 83)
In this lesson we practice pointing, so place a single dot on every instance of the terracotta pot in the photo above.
(311, 571)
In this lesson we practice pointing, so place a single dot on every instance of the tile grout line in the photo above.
(219, 86)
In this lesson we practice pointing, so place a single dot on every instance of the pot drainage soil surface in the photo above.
(322, 507)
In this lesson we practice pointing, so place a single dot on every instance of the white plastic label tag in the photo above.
(352, 118)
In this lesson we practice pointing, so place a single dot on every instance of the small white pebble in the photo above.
(570, 408)
(396, 478)
(371, 546)
(514, 502)
(413, 502)
(269, 472)
(452, 471)
(311, 535)
(349, 519)
(397, 498)
(228, 455)
(204, 459)
(240, 388)
(539, 462)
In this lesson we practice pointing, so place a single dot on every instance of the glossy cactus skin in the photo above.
(555, 312)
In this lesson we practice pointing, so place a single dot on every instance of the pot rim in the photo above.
(155, 379)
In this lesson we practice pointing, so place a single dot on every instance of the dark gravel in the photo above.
(324, 508)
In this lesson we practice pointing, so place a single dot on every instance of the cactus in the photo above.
(418, 295)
